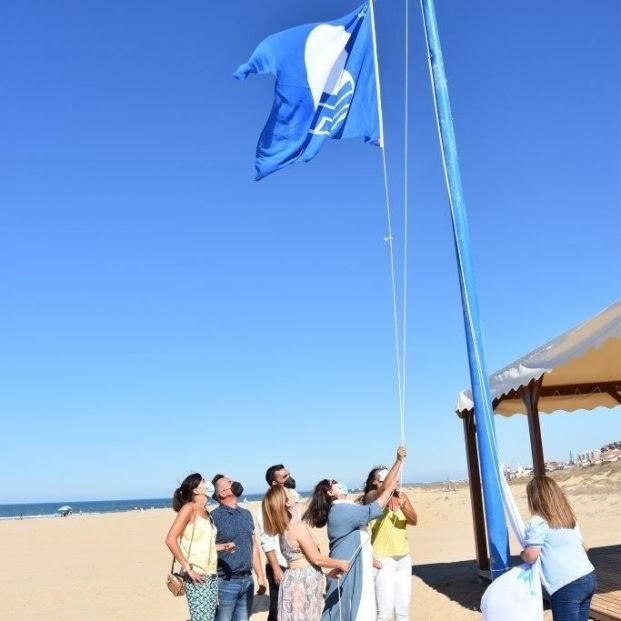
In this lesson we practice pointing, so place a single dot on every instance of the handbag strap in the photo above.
(172, 567)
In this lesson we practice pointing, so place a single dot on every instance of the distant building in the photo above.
(551, 466)
(589, 458)
(518, 472)
(612, 445)
(610, 455)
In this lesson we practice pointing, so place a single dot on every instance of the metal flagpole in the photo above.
(494, 512)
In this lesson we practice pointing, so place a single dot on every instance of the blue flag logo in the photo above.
(325, 88)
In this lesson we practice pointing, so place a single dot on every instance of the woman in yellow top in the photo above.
(192, 540)
(391, 552)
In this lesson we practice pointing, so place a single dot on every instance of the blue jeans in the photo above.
(573, 601)
(235, 599)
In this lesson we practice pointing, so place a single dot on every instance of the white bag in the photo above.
(514, 596)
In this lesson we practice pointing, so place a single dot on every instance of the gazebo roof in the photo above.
(581, 369)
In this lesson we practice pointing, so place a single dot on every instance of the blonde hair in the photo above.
(276, 518)
(547, 499)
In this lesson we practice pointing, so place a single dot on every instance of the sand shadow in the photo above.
(459, 581)
(606, 560)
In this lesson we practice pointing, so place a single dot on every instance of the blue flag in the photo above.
(325, 88)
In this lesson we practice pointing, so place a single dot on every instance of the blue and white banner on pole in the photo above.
(326, 87)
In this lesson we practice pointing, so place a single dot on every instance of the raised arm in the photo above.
(391, 478)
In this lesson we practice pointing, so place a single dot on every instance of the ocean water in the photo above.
(50, 509)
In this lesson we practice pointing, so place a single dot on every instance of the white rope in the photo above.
(389, 238)
(405, 221)
(400, 353)
(338, 590)
(395, 319)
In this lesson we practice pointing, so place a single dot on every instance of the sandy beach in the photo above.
(113, 566)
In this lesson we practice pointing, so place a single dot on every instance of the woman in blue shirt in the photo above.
(553, 535)
(352, 596)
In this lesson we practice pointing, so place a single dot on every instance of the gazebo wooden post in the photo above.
(476, 498)
(530, 396)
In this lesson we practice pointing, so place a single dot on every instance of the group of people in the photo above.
(369, 564)
(368, 549)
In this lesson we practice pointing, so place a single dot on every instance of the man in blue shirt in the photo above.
(234, 524)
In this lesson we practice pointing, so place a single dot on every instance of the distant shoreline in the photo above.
(47, 516)
(40, 510)
(29, 511)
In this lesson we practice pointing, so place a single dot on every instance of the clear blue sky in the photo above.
(161, 312)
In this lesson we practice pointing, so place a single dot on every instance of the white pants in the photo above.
(393, 586)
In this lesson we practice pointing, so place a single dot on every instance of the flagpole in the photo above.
(494, 513)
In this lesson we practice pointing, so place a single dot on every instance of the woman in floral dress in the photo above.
(300, 596)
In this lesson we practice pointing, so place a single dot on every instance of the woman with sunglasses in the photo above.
(192, 541)
(352, 596)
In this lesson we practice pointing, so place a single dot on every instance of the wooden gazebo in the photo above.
(579, 370)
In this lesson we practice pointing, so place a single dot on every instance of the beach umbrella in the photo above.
(64, 510)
